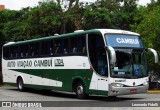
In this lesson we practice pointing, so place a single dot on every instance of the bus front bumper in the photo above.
(115, 91)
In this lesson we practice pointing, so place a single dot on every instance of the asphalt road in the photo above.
(61, 100)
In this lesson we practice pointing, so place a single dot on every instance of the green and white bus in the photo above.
(106, 62)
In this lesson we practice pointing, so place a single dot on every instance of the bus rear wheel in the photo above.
(80, 90)
(20, 84)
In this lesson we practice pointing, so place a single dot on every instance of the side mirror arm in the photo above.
(112, 54)
(154, 53)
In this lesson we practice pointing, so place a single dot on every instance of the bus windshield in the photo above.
(131, 63)
(130, 56)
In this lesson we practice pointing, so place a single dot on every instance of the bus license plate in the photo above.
(133, 91)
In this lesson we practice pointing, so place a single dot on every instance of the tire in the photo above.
(80, 90)
(20, 84)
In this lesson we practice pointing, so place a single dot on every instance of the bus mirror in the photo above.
(154, 53)
(112, 55)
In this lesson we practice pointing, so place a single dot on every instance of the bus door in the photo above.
(102, 83)
(98, 60)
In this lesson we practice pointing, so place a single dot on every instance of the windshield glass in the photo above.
(131, 63)
(130, 56)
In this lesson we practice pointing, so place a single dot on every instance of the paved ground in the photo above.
(9, 93)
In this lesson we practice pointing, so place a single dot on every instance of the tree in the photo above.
(149, 28)
(124, 17)
(9, 25)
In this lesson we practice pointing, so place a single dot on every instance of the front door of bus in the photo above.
(98, 59)
(102, 83)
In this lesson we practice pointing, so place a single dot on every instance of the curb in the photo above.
(153, 92)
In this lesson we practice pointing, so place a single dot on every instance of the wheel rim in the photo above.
(80, 90)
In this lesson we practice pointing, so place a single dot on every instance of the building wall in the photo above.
(2, 7)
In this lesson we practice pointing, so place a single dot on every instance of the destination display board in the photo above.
(123, 41)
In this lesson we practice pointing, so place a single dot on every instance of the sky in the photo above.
(18, 4)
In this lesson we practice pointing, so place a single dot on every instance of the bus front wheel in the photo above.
(80, 90)
(20, 84)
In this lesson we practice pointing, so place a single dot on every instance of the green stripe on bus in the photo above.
(64, 75)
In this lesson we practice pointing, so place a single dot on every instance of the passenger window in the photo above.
(74, 45)
(57, 44)
(47, 48)
(78, 45)
(34, 49)
(23, 51)
(61, 46)
(6, 53)
(64, 46)
(81, 44)
(14, 52)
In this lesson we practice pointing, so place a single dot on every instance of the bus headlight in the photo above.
(117, 84)
(145, 83)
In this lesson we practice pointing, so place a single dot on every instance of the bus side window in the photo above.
(14, 52)
(57, 45)
(74, 45)
(50, 50)
(50, 47)
(23, 50)
(34, 49)
(61, 46)
(64, 46)
(6, 53)
(81, 44)
(31, 50)
(78, 45)
(11, 52)
(47, 48)
(74, 49)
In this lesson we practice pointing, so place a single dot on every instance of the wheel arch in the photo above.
(20, 76)
(76, 80)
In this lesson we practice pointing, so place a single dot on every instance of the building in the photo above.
(2, 7)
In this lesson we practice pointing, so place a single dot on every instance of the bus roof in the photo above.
(93, 31)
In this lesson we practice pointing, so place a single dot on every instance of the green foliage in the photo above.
(149, 28)
(49, 18)
(96, 18)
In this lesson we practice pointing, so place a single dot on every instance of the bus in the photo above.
(107, 62)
